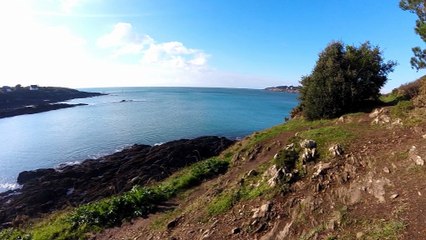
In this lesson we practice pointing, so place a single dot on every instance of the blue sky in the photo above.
(213, 43)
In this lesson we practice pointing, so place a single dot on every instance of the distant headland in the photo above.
(19, 100)
(287, 89)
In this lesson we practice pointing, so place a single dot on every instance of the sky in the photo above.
(201, 43)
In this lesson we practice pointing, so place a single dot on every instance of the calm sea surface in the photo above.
(147, 116)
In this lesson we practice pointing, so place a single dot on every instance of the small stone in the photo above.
(215, 223)
(393, 196)
(321, 167)
(173, 223)
(419, 161)
(419, 193)
(359, 235)
(424, 136)
(236, 230)
(336, 150)
(206, 234)
(308, 143)
(376, 113)
(415, 157)
(386, 170)
(262, 210)
(252, 173)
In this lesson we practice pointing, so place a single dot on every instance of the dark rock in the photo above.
(262, 227)
(26, 176)
(45, 190)
(236, 230)
(172, 224)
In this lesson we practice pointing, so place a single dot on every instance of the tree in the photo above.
(343, 80)
(418, 7)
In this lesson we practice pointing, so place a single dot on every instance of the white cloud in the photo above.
(68, 6)
(119, 36)
(122, 40)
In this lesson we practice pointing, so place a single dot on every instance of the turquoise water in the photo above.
(147, 116)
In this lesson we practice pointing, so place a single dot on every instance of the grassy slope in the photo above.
(232, 194)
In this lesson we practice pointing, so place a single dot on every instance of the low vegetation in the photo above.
(140, 201)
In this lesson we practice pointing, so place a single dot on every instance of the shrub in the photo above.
(343, 80)
(409, 90)
(420, 100)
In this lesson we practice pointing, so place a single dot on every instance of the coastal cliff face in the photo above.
(45, 190)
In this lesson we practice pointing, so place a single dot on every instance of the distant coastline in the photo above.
(287, 89)
(21, 100)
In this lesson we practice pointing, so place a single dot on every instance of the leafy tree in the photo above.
(419, 8)
(343, 80)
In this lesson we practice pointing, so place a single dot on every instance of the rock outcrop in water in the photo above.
(44, 190)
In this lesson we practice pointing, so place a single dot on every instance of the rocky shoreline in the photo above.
(29, 100)
(45, 190)
(36, 109)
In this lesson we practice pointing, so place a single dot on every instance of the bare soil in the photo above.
(374, 191)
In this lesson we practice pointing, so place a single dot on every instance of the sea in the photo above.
(127, 116)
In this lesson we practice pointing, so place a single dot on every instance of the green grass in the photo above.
(384, 230)
(57, 227)
(112, 211)
(252, 187)
(390, 98)
(223, 202)
(316, 230)
(140, 201)
(325, 136)
(401, 109)
(292, 125)
(14, 234)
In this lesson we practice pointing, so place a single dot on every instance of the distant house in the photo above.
(33, 87)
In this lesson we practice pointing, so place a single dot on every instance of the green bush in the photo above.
(343, 80)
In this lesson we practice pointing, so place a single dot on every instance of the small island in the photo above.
(32, 99)
(287, 89)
